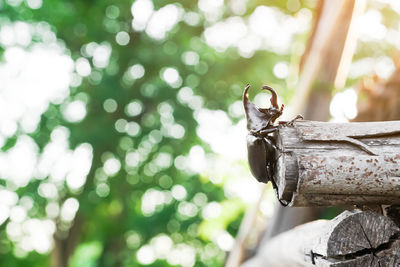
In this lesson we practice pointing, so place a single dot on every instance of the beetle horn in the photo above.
(253, 115)
(245, 96)
(274, 98)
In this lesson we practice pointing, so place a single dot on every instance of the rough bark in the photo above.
(351, 239)
(339, 164)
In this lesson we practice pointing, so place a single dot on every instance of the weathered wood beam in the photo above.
(353, 238)
(338, 163)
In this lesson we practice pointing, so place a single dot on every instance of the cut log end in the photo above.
(359, 239)
(354, 238)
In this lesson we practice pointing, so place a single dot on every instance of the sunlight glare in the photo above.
(212, 9)
(225, 241)
(69, 209)
(171, 76)
(31, 77)
(183, 255)
(141, 11)
(80, 166)
(343, 106)
(112, 166)
(370, 27)
(217, 129)
(82, 67)
(4, 212)
(162, 245)
(211, 210)
(197, 159)
(39, 234)
(146, 255)
(281, 70)
(101, 55)
(225, 33)
(163, 20)
(74, 111)
(24, 153)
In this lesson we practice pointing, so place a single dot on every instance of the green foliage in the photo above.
(86, 254)
(141, 131)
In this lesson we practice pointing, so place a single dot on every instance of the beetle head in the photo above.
(261, 118)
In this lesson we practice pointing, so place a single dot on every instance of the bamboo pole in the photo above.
(322, 164)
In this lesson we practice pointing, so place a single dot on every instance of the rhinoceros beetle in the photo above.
(262, 152)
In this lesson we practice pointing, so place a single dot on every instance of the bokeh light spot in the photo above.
(74, 111)
(146, 255)
(137, 71)
(82, 67)
(112, 166)
(171, 76)
(122, 38)
(190, 58)
(141, 11)
(281, 70)
(112, 12)
(178, 192)
(110, 105)
(34, 4)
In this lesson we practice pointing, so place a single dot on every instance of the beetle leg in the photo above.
(264, 132)
(273, 145)
(296, 118)
(280, 154)
(290, 123)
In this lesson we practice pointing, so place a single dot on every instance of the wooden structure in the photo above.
(340, 164)
(354, 238)
(324, 164)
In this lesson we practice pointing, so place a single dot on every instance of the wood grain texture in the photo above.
(354, 238)
(338, 163)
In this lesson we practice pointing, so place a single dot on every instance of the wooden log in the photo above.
(354, 238)
(324, 164)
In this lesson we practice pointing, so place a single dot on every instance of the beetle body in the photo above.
(261, 156)
(260, 124)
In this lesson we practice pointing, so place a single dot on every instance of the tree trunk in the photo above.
(65, 243)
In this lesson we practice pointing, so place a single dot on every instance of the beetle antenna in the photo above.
(274, 98)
